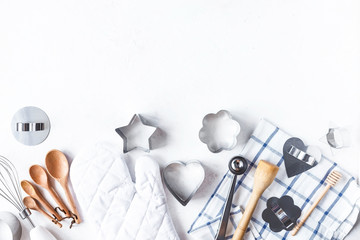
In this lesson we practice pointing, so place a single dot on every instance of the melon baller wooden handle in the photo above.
(264, 175)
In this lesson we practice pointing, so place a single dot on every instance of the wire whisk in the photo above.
(10, 188)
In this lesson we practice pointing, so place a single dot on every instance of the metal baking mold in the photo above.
(30, 126)
(137, 134)
(219, 131)
(183, 179)
(338, 138)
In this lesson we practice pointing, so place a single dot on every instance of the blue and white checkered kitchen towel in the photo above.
(332, 219)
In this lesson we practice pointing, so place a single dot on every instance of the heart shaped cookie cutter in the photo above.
(183, 179)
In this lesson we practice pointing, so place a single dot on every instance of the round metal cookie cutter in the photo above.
(30, 126)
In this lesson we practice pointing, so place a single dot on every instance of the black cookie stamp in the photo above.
(281, 214)
(299, 158)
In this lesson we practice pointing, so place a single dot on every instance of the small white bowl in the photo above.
(13, 223)
(5, 231)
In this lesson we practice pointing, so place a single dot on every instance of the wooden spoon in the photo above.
(40, 177)
(33, 192)
(264, 175)
(31, 203)
(58, 167)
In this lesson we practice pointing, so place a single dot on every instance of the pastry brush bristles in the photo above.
(333, 178)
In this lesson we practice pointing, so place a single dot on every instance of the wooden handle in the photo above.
(72, 203)
(245, 219)
(48, 216)
(264, 175)
(47, 205)
(59, 201)
(308, 213)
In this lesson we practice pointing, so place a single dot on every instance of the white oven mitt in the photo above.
(118, 207)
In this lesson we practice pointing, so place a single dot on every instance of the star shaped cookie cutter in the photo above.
(130, 133)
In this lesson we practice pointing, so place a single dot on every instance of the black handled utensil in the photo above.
(237, 166)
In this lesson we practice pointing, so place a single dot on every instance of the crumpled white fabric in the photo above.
(118, 207)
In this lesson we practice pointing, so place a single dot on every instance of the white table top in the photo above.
(92, 64)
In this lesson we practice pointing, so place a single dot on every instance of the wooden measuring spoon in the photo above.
(33, 192)
(32, 204)
(58, 167)
(40, 177)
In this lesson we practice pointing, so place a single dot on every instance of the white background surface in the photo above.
(92, 64)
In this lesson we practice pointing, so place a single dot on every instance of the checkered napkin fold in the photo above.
(332, 219)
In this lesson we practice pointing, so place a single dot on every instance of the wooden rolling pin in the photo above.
(264, 176)
(331, 180)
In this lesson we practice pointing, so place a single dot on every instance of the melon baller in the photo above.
(237, 166)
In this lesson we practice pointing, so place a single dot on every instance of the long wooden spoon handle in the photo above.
(307, 215)
(245, 219)
(40, 210)
(47, 205)
(72, 203)
(59, 201)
